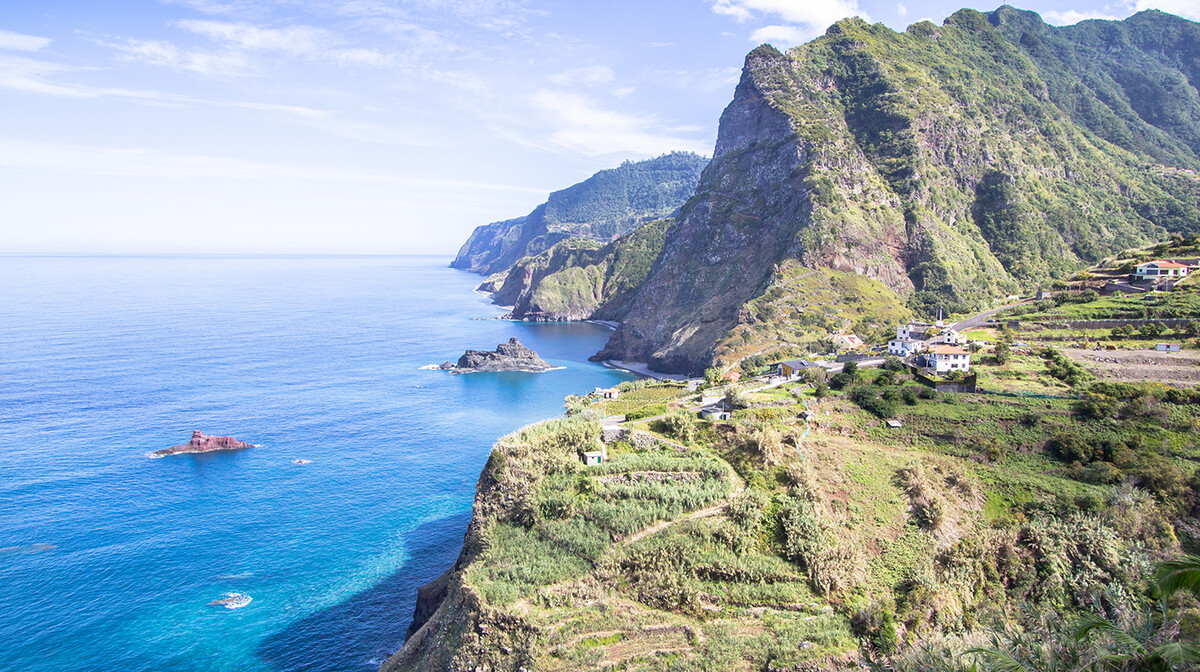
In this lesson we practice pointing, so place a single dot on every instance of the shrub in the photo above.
(681, 425)
(839, 381)
(1002, 352)
(747, 508)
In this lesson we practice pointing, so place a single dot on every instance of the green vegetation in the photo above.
(803, 307)
(581, 279)
(739, 545)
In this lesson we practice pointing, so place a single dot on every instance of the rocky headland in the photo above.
(510, 356)
(203, 443)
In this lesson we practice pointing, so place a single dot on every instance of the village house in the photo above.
(794, 367)
(847, 342)
(948, 337)
(904, 348)
(1160, 270)
(947, 358)
(917, 331)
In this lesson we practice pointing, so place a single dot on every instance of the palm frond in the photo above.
(1181, 574)
(1091, 623)
(1177, 654)
(1000, 660)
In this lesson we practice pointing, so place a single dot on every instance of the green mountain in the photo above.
(602, 207)
(954, 165)
(580, 279)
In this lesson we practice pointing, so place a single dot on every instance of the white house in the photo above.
(1157, 271)
(947, 358)
(949, 337)
(904, 348)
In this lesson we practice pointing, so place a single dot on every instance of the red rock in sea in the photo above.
(203, 443)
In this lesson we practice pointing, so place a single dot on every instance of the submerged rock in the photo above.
(203, 443)
(511, 356)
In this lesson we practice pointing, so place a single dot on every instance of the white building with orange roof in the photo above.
(1160, 270)
(947, 358)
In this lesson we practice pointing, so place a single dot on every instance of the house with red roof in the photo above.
(1160, 271)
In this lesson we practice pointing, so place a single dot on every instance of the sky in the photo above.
(366, 126)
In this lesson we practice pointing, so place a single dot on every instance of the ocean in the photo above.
(108, 559)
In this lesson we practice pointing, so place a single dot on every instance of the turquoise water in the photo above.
(108, 559)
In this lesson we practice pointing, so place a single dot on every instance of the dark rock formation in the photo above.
(202, 443)
(511, 356)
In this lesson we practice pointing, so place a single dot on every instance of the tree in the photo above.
(1152, 330)
(1003, 352)
(820, 389)
(1122, 331)
(1192, 328)
(712, 375)
(850, 369)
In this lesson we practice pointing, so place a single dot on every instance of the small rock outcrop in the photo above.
(203, 443)
(511, 356)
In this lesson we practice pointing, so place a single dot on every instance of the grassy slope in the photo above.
(802, 307)
(859, 540)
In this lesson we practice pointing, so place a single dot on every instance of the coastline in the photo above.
(641, 369)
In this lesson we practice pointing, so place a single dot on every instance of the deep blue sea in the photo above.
(108, 559)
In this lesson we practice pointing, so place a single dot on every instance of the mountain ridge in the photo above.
(605, 206)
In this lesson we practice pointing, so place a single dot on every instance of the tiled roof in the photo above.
(947, 350)
(1164, 264)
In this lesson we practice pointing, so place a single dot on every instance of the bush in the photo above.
(820, 389)
(681, 425)
(1062, 368)
(1003, 352)
(839, 381)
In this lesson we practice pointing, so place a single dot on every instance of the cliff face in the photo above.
(579, 279)
(933, 161)
(601, 208)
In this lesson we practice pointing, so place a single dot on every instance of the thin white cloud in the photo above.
(582, 125)
(1072, 16)
(782, 35)
(291, 40)
(901, 9)
(592, 74)
(792, 21)
(714, 79)
(146, 163)
(159, 52)
(26, 74)
(19, 42)
(1188, 9)
(238, 45)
